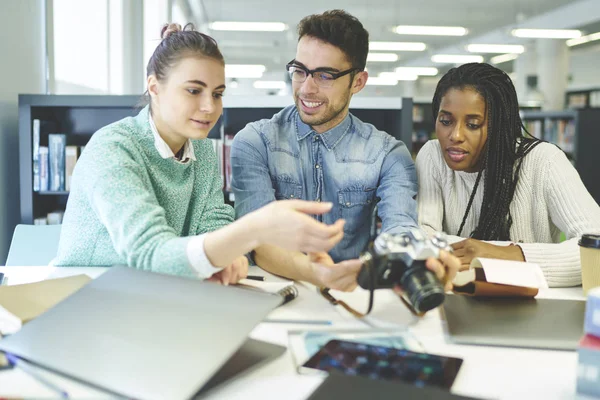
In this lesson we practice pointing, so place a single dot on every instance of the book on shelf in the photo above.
(227, 161)
(36, 155)
(56, 159)
(577, 100)
(70, 160)
(44, 176)
(595, 98)
(55, 217)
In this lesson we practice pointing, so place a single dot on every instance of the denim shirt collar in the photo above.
(331, 137)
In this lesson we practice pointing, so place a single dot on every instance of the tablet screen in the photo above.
(380, 362)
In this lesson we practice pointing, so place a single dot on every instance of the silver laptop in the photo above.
(143, 335)
(514, 322)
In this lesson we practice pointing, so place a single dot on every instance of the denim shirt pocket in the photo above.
(355, 205)
(286, 188)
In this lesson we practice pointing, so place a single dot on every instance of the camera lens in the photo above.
(423, 288)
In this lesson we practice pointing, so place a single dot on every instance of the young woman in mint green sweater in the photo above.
(146, 191)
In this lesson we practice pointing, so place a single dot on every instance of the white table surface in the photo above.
(487, 372)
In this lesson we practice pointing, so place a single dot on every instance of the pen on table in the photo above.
(16, 362)
(255, 277)
(297, 321)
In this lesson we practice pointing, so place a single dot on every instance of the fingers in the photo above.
(398, 290)
(323, 231)
(243, 269)
(452, 264)
(458, 245)
(341, 276)
(309, 207)
(436, 267)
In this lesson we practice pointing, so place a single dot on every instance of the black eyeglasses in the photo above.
(321, 76)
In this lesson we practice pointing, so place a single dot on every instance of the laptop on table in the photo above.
(145, 335)
(515, 322)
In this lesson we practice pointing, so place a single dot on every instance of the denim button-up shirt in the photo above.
(350, 165)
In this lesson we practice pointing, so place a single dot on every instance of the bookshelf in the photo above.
(582, 98)
(576, 133)
(423, 125)
(78, 117)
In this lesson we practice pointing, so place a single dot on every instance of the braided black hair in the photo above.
(504, 150)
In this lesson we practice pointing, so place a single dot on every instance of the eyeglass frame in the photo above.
(311, 72)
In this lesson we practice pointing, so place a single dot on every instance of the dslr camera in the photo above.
(399, 259)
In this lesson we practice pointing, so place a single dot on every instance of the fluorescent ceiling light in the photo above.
(398, 76)
(377, 81)
(430, 30)
(547, 33)
(584, 39)
(397, 46)
(455, 59)
(248, 26)
(382, 57)
(244, 71)
(269, 84)
(503, 58)
(496, 48)
(427, 71)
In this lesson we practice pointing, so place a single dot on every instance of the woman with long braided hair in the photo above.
(486, 179)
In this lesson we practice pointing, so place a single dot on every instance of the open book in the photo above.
(500, 278)
(22, 303)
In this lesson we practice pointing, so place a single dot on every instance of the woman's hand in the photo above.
(288, 224)
(233, 273)
(444, 268)
(469, 249)
(340, 276)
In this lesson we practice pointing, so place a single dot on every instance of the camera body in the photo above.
(399, 259)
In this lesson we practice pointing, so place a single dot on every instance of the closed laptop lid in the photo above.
(515, 322)
(337, 386)
(143, 335)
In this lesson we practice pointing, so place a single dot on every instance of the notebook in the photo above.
(500, 278)
(287, 289)
(160, 327)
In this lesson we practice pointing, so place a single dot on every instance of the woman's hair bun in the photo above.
(170, 29)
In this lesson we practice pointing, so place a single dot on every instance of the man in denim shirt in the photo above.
(316, 150)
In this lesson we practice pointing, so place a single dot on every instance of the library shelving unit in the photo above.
(583, 98)
(79, 116)
(576, 133)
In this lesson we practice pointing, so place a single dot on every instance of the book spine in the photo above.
(36, 155)
(70, 160)
(56, 156)
(43, 162)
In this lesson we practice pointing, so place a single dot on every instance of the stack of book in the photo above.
(53, 165)
(588, 366)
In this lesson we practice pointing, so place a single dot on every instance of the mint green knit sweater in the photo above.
(130, 206)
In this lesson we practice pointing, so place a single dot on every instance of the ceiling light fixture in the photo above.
(398, 76)
(431, 30)
(496, 48)
(382, 57)
(426, 71)
(378, 81)
(584, 39)
(547, 33)
(397, 46)
(503, 58)
(248, 26)
(455, 59)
